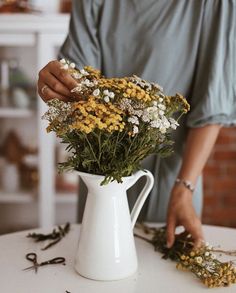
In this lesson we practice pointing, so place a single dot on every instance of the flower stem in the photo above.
(89, 144)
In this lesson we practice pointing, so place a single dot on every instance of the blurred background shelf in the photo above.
(15, 113)
(17, 197)
(29, 197)
(63, 197)
(30, 41)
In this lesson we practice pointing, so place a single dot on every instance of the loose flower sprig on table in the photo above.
(112, 124)
(201, 262)
(56, 235)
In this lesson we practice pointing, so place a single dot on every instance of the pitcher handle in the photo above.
(143, 194)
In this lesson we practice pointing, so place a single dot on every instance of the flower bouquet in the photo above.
(112, 124)
(109, 127)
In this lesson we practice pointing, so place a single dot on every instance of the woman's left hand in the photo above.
(181, 212)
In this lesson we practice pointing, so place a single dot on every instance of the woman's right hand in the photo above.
(54, 82)
(182, 213)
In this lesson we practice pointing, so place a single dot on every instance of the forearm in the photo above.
(199, 144)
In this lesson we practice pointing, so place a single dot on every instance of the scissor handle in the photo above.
(32, 257)
(55, 260)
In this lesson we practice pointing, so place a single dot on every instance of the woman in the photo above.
(185, 46)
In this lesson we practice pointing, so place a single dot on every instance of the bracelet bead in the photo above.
(188, 184)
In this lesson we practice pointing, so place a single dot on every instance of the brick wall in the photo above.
(220, 181)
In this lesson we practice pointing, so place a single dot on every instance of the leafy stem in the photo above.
(91, 149)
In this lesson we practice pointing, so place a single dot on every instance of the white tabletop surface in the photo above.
(154, 274)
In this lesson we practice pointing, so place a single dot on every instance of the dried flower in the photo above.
(56, 235)
(202, 262)
(112, 124)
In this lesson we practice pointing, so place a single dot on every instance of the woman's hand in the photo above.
(199, 144)
(181, 212)
(55, 82)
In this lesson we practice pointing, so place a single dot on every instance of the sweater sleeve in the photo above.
(82, 45)
(214, 86)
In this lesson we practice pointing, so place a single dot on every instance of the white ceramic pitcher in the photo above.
(106, 248)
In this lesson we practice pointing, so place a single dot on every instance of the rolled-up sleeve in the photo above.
(214, 86)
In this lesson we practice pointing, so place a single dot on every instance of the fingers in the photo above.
(181, 212)
(195, 229)
(188, 219)
(56, 85)
(58, 81)
(49, 94)
(55, 68)
(171, 224)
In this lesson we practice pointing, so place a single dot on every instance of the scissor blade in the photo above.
(31, 268)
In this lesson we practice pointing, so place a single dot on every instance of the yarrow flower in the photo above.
(133, 120)
(198, 259)
(96, 92)
(112, 124)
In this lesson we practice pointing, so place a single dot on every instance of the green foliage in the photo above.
(115, 154)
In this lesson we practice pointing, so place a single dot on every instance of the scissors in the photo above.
(33, 258)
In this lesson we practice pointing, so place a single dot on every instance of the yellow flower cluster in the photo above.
(136, 92)
(126, 87)
(220, 274)
(180, 101)
(116, 84)
(91, 114)
(225, 275)
(92, 71)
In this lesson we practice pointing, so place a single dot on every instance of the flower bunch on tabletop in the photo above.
(202, 262)
(211, 271)
(112, 124)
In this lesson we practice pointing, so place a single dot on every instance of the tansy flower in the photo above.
(198, 259)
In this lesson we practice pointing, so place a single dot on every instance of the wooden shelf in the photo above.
(25, 24)
(41, 35)
(15, 113)
(16, 197)
(63, 197)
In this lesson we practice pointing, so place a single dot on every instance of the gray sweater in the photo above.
(187, 46)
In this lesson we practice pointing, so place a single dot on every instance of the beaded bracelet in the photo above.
(188, 184)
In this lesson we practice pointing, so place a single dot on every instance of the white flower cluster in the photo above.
(134, 120)
(130, 107)
(83, 85)
(96, 93)
(77, 75)
(133, 108)
(80, 74)
(154, 115)
(207, 244)
(57, 110)
(147, 85)
(87, 83)
(108, 95)
(142, 83)
(66, 65)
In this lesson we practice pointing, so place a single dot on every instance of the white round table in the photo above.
(154, 274)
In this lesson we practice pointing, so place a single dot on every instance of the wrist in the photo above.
(186, 183)
(180, 192)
